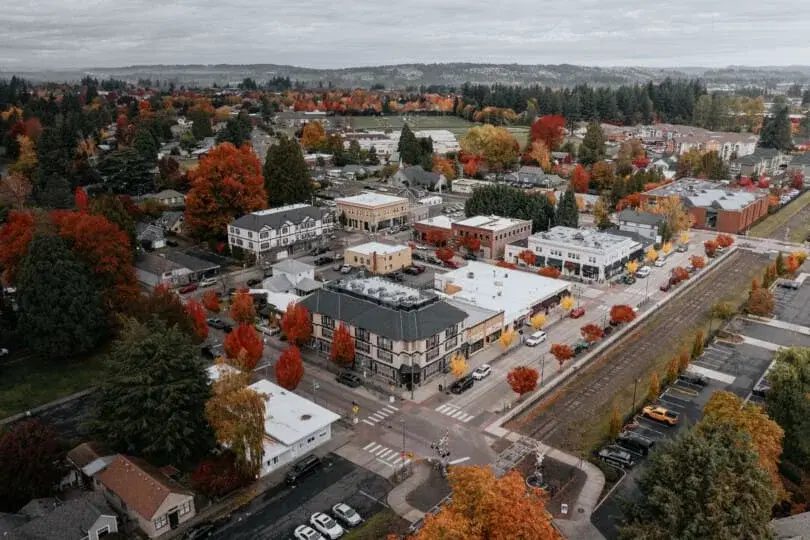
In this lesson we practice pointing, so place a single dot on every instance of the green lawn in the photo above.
(378, 526)
(775, 221)
(31, 383)
(457, 126)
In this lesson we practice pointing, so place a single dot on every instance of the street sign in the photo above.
(563, 508)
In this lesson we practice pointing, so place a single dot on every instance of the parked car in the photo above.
(3, 353)
(414, 270)
(451, 264)
(253, 282)
(350, 379)
(617, 456)
(346, 515)
(396, 276)
(417, 256)
(481, 372)
(318, 251)
(660, 263)
(694, 378)
(337, 267)
(217, 323)
(581, 346)
(462, 385)
(470, 257)
(325, 259)
(201, 531)
(191, 287)
(305, 532)
(302, 468)
(577, 313)
(325, 525)
(606, 331)
(213, 350)
(207, 282)
(643, 272)
(628, 280)
(536, 339)
(635, 442)
(682, 248)
(172, 243)
(660, 414)
(346, 269)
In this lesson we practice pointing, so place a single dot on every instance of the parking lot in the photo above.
(731, 367)
(276, 513)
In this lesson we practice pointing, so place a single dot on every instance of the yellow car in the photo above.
(660, 414)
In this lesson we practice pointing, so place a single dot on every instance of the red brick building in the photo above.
(494, 233)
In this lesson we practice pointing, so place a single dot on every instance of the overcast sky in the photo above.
(39, 34)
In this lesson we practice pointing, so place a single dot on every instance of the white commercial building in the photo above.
(588, 253)
(516, 293)
(385, 144)
(468, 185)
(276, 232)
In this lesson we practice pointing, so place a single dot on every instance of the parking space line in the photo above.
(712, 374)
(457, 414)
(671, 404)
(375, 415)
(676, 399)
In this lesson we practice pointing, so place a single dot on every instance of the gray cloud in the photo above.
(41, 34)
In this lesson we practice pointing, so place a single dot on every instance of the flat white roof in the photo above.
(376, 247)
(491, 223)
(499, 289)
(372, 199)
(290, 417)
(216, 371)
(442, 222)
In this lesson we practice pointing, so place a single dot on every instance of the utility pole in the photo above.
(635, 387)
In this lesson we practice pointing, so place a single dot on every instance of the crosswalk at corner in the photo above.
(454, 412)
(388, 456)
(380, 415)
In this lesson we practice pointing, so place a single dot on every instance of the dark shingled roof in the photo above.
(256, 221)
(69, 520)
(395, 324)
(646, 218)
(417, 176)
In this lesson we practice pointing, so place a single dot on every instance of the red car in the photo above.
(191, 287)
(451, 264)
(666, 286)
(577, 313)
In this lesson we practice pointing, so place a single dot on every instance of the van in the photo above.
(207, 282)
(462, 385)
(303, 468)
(635, 443)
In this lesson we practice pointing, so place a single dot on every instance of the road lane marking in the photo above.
(467, 417)
(459, 460)
(457, 414)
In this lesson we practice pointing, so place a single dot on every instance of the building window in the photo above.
(285, 230)
(250, 234)
(432, 353)
(452, 331)
(101, 533)
(161, 522)
(327, 333)
(265, 245)
(185, 509)
(450, 343)
(432, 342)
(264, 235)
(327, 322)
(362, 346)
(362, 334)
(384, 343)
(384, 355)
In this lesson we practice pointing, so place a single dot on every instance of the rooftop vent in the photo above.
(306, 417)
(470, 275)
(499, 283)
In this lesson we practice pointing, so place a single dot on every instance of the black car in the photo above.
(318, 251)
(396, 276)
(227, 328)
(252, 282)
(417, 256)
(320, 261)
(302, 468)
(349, 379)
(202, 531)
(618, 456)
(694, 378)
(172, 243)
(633, 442)
(462, 385)
(470, 257)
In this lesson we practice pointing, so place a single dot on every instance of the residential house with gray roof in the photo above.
(88, 517)
(417, 177)
(401, 334)
(645, 224)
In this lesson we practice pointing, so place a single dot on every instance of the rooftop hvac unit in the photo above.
(499, 283)
(470, 275)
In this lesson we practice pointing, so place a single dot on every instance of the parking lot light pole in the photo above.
(635, 387)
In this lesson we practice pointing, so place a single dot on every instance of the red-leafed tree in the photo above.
(504, 264)
(15, 235)
(580, 179)
(522, 380)
(242, 309)
(711, 248)
(550, 272)
(32, 128)
(197, 314)
(472, 244)
(591, 333)
(225, 185)
(679, 273)
(472, 165)
(550, 129)
(562, 352)
(527, 256)
(697, 261)
(436, 238)
(791, 264)
(80, 199)
(30, 463)
(218, 475)
(630, 201)
(342, 352)
(210, 301)
(797, 180)
(290, 368)
(724, 240)
(296, 324)
(445, 254)
(622, 313)
(244, 347)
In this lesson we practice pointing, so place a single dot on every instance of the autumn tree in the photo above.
(242, 309)
(592, 148)
(290, 368)
(244, 347)
(621, 313)
(473, 245)
(672, 369)
(616, 422)
(562, 352)
(602, 175)
(697, 262)
(152, 400)
(550, 272)
(436, 238)
(342, 351)
(538, 321)
(567, 303)
(591, 333)
(31, 463)
(631, 267)
(496, 145)
(548, 129)
(539, 153)
(163, 304)
(15, 190)
(673, 211)
(296, 324)
(210, 301)
(113, 209)
(227, 184)
(217, 475)
(458, 366)
(522, 380)
(724, 240)
(485, 507)
(683, 360)
(655, 387)
(710, 246)
(601, 213)
(445, 254)
(698, 344)
(761, 302)
(313, 135)
(679, 273)
(766, 435)
(444, 166)
(286, 175)
(197, 315)
(725, 311)
(527, 256)
(26, 164)
(580, 179)
(236, 414)
(507, 338)
(791, 264)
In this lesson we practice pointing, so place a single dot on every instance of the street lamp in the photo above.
(542, 368)
(635, 387)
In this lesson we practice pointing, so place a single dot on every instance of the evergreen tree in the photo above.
(126, 171)
(409, 148)
(152, 401)
(776, 133)
(54, 157)
(372, 158)
(567, 211)
(511, 202)
(145, 144)
(237, 131)
(111, 207)
(61, 313)
(201, 128)
(592, 148)
(286, 175)
(56, 194)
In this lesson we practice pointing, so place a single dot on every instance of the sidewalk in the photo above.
(397, 497)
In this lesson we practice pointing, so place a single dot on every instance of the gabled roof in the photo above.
(168, 219)
(416, 175)
(189, 261)
(140, 485)
(292, 266)
(69, 520)
(85, 453)
(275, 218)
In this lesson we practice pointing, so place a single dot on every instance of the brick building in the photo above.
(494, 232)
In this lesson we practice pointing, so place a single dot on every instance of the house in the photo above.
(154, 270)
(275, 233)
(353, 172)
(198, 267)
(645, 224)
(293, 425)
(292, 277)
(518, 295)
(88, 517)
(493, 232)
(171, 221)
(536, 177)
(150, 236)
(378, 258)
(402, 335)
(86, 461)
(766, 161)
(587, 253)
(416, 176)
(155, 502)
(372, 211)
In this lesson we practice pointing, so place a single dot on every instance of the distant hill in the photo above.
(454, 74)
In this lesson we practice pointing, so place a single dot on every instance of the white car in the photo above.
(482, 372)
(536, 339)
(305, 532)
(345, 513)
(326, 525)
(346, 269)
(643, 272)
(207, 282)
(659, 263)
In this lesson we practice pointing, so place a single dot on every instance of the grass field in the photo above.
(457, 126)
(773, 223)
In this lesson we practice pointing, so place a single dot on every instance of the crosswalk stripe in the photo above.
(375, 415)
(391, 407)
(384, 454)
(457, 414)
(369, 423)
(406, 462)
(375, 447)
(444, 409)
(384, 413)
(467, 417)
(397, 461)
(369, 445)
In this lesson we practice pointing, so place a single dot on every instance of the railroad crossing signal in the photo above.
(355, 409)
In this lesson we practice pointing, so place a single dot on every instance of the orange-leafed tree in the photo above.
(472, 244)
(761, 302)
(791, 264)
(697, 261)
(15, 236)
(724, 240)
(342, 351)
(227, 184)
(444, 166)
(290, 368)
(444, 254)
(522, 380)
(197, 314)
(580, 179)
(487, 507)
(210, 301)
(622, 313)
(754, 284)
(436, 238)
(632, 201)
(244, 347)
(679, 273)
(710, 246)
(539, 153)
(242, 309)
(472, 166)
(527, 256)
(562, 352)
(296, 324)
(550, 129)
(313, 135)
(550, 272)
(591, 333)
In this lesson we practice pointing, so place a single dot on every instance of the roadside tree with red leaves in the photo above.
(504, 264)
(217, 476)
(342, 351)
(445, 254)
(290, 368)
(210, 301)
(710, 246)
(197, 314)
(436, 238)
(242, 309)
(550, 272)
(697, 261)
(527, 256)
(562, 352)
(244, 347)
(591, 333)
(296, 324)
(31, 457)
(15, 236)
(522, 380)
(472, 244)
(679, 273)
(580, 179)
(632, 201)
(622, 313)
(80, 199)
(550, 129)
(724, 240)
